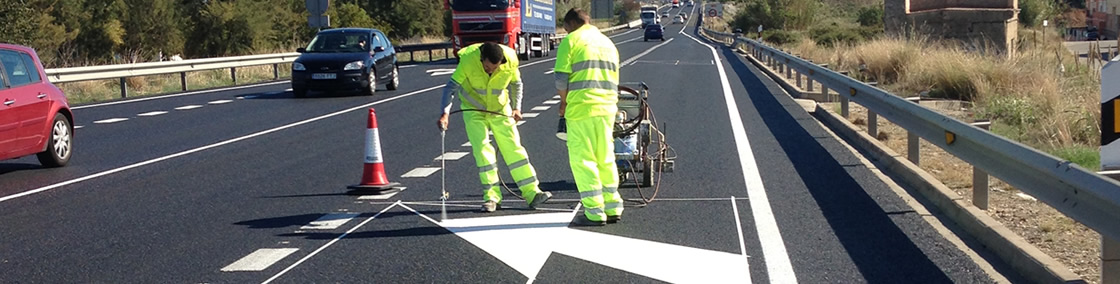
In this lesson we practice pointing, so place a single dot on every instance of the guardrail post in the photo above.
(824, 89)
(798, 73)
(124, 88)
(183, 80)
(979, 177)
(412, 55)
(233, 74)
(873, 119)
(809, 81)
(275, 71)
(843, 100)
(789, 71)
(913, 142)
(429, 55)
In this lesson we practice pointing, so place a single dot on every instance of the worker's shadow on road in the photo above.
(874, 242)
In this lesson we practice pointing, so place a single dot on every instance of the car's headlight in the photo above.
(298, 67)
(354, 65)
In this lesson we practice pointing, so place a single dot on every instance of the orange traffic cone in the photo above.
(374, 180)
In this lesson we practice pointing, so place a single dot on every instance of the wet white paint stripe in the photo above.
(451, 156)
(260, 259)
(111, 120)
(312, 254)
(552, 102)
(78, 127)
(330, 221)
(550, 71)
(541, 108)
(530, 114)
(519, 123)
(381, 196)
(188, 107)
(468, 144)
(420, 172)
(218, 102)
(778, 265)
(152, 113)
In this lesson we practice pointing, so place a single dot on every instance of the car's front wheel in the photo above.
(60, 144)
(392, 86)
(372, 87)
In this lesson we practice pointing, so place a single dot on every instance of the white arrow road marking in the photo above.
(541, 108)
(152, 113)
(329, 221)
(440, 71)
(188, 107)
(661, 261)
(260, 259)
(420, 172)
(111, 120)
(218, 102)
(452, 156)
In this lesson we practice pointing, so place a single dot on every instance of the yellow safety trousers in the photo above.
(591, 155)
(509, 142)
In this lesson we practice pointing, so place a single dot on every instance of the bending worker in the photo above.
(587, 82)
(489, 85)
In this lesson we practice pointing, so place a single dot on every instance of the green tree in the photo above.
(152, 26)
(871, 16)
(19, 22)
(353, 15)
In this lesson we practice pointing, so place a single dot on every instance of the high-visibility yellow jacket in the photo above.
(590, 61)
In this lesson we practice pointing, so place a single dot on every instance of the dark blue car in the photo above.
(346, 59)
(654, 31)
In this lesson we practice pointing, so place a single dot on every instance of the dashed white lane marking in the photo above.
(152, 113)
(468, 144)
(111, 120)
(452, 156)
(260, 259)
(381, 196)
(440, 71)
(78, 127)
(550, 71)
(552, 102)
(530, 114)
(188, 107)
(540, 108)
(420, 172)
(519, 123)
(330, 221)
(335, 240)
(630, 40)
(218, 102)
(182, 94)
(556, 97)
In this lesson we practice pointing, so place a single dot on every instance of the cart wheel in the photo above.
(647, 172)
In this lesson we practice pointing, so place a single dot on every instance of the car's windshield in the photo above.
(339, 42)
(479, 5)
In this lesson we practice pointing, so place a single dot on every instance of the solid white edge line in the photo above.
(778, 265)
(328, 244)
(199, 149)
(183, 94)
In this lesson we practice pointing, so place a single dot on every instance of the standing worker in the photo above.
(489, 86)
(587, 82)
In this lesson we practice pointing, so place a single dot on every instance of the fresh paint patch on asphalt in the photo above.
(541, 108)
(381, 196)
(468, 144)
(218, 102)
(530, 114)
(329, 221)
(552, 102)
(188, 107)
(420, 172)
(260, 259)
(451, 156)
(111, 120)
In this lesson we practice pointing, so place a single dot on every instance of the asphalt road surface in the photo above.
(249, 185)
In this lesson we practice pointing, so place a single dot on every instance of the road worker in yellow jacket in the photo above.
(489, 87)
(587, 81)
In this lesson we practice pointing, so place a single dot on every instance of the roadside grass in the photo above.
(103, 90)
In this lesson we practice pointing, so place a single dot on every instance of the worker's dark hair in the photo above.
(576, 17)
(493, 53)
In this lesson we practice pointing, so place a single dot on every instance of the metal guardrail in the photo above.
(1085, 196)
(124, 71)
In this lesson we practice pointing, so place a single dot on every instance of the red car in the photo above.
(35, 117)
